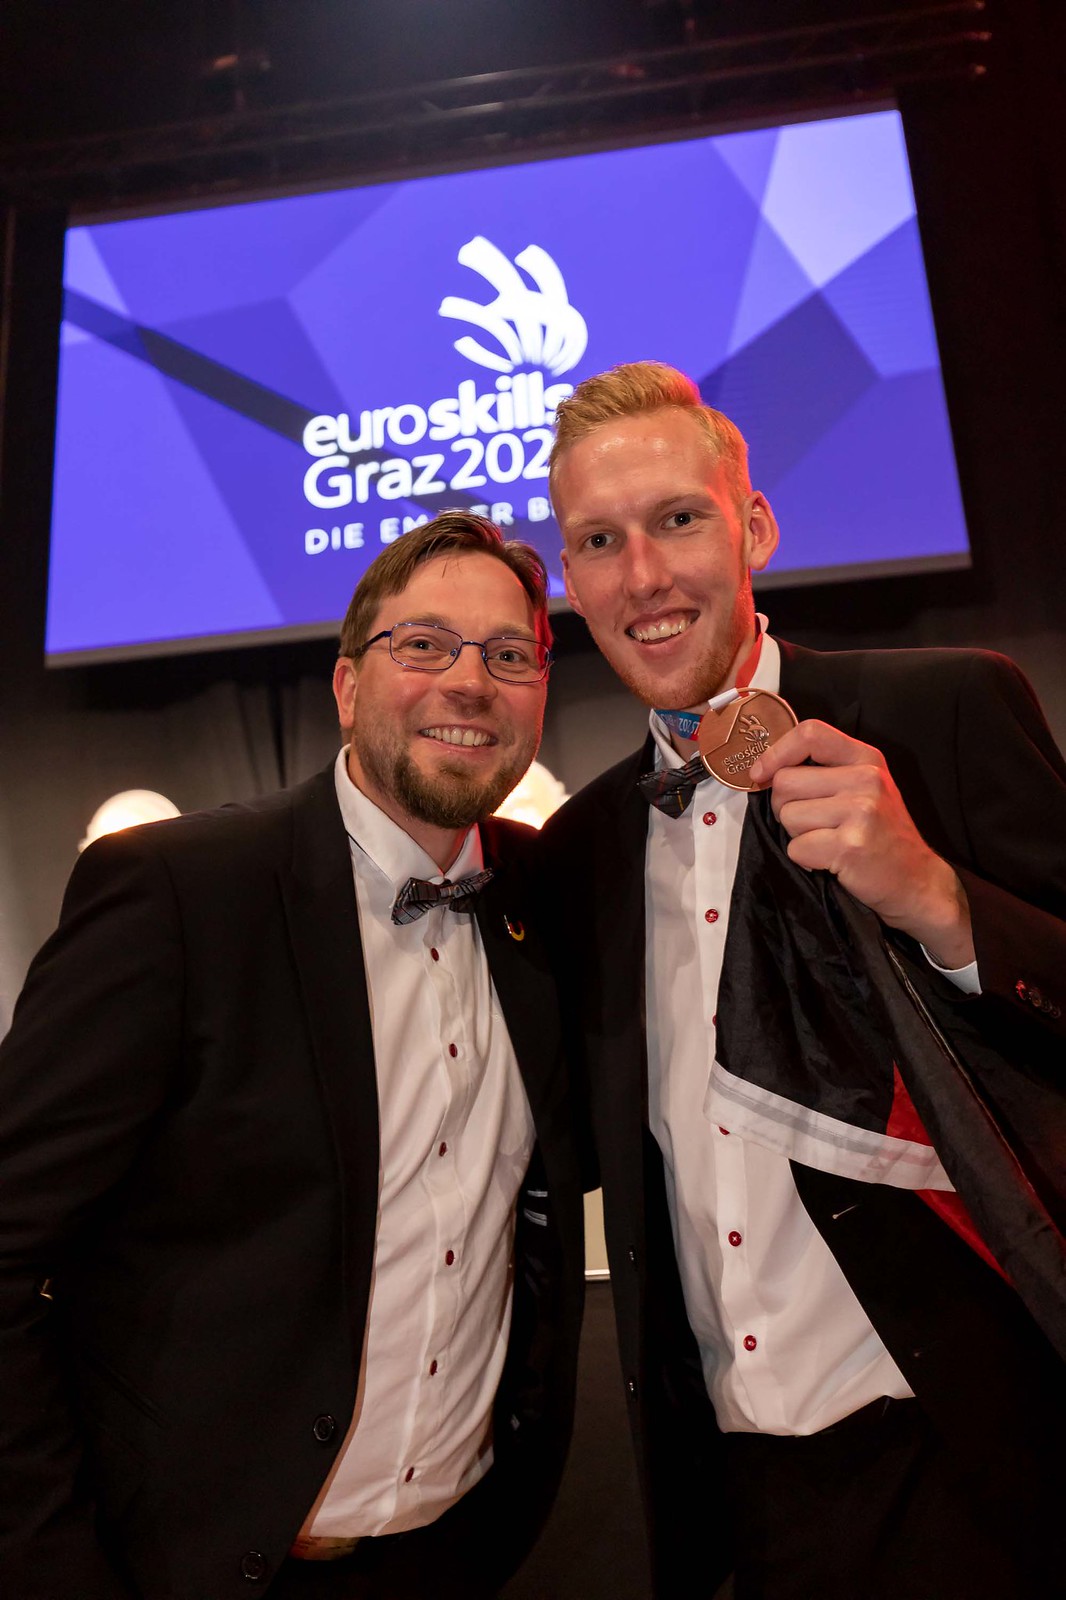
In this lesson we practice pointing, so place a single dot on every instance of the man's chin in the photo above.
(668, 692)
(453, 797)
(670, 688)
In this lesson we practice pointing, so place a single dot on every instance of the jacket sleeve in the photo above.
(1013, 795)
(83, 1071)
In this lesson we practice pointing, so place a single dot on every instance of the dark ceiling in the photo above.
(117, 101)
(68, 69)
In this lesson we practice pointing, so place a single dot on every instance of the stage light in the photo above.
(129, 809)
(535, 799)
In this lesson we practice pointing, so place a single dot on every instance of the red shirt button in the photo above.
(433, 1369)
(714, 1020)
(710, 916)
(710, 818)
(442, 1148)
(736, 1238)
(453, 1050)
(750, 1341)
(409, 1474)
(724, 1130)
(449, 1258)
(435, 954)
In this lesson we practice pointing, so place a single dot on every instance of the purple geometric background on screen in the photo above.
(781, 268)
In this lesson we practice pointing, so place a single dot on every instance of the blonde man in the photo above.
(832, 1385)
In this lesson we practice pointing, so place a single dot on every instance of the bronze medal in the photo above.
(732, 740)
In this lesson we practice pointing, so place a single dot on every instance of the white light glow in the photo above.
(535, 799)
(129, 809)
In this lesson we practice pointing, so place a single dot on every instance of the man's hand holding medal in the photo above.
(837, 800)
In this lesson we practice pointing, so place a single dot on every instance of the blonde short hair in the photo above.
(641, 387)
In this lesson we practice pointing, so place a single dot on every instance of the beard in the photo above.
(453, 797)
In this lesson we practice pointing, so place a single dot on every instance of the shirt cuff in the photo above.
(965, 978)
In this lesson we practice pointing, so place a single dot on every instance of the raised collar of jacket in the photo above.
(383, 847)
(767, 675)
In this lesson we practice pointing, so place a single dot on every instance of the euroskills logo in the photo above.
(488, 446)
(534, 327)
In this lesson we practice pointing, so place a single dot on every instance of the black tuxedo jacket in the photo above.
(189, 1148)
(986, 786)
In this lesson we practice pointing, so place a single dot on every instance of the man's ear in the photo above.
(345, 683)
(568, 586)
(760, 531)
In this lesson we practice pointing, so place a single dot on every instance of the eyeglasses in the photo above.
(426, 648)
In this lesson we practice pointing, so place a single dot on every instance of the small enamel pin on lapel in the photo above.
(515, 928)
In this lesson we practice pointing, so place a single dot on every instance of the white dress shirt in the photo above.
(785, 1345)
(456, 1140)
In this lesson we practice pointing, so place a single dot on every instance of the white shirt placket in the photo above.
(446, 972)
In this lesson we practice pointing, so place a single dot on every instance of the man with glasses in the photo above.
(290, 1256)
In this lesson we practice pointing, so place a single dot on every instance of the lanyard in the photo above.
(687, 723)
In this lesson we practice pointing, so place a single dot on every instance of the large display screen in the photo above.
(256, 398)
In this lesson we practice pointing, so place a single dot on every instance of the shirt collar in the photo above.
(767, 675)
(383, 846)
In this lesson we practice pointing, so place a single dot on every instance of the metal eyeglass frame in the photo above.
(479, 645)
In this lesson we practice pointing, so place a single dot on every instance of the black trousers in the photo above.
(401, 1568)
(876, 1508)
(455, 1558)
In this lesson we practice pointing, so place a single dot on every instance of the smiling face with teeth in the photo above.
(439, 751)
(658, 554)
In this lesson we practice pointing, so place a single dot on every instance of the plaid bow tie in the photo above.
(418, 896)
(670, 789)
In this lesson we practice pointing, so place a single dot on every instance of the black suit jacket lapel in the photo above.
(521, 976)
(866, 695)
(614, 1008)
(620, 872)
(806, 687)
(620, 913)
(318, 892)
(525, 987)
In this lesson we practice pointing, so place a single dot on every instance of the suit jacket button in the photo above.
(254, 1566)
(631, 1256)
(324, 1428)
(631, 1387)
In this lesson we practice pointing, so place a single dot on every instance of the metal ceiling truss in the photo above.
(499, 115)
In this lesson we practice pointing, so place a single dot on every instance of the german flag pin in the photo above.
(515, 928)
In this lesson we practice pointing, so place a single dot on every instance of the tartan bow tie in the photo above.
(417, 896)
(670, 789)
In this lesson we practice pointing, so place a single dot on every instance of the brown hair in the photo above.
(393, 569)
(647, 386)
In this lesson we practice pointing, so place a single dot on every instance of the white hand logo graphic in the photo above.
(534, 327)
